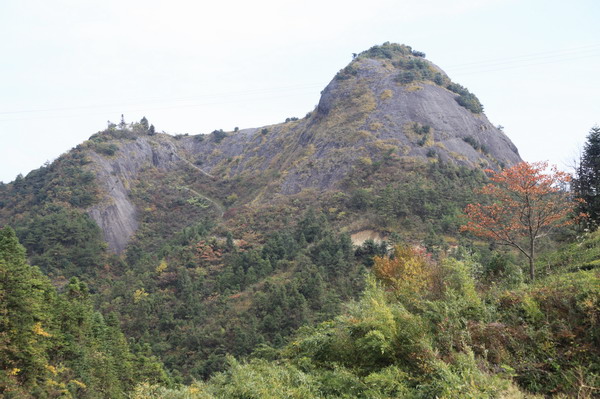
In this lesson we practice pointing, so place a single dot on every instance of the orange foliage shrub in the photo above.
(408, 270)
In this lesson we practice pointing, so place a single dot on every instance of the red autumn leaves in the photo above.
(527, 201)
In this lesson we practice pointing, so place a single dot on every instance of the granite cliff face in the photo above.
(116, 214)
(388, 101)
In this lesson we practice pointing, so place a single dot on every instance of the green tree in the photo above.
(144, 123)
(586, 184)
(24, 320)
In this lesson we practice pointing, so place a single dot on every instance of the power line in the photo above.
(525, 65)
(527, 57)
(145, 109)
(162, 100)
(500, 64)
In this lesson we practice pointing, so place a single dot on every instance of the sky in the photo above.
(70, 66)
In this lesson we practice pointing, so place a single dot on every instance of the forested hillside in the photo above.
(55, 345)
(451, 330)
(235, 264)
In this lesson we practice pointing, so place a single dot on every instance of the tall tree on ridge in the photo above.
(586, 184)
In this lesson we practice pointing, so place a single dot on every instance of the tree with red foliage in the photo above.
(528, 201)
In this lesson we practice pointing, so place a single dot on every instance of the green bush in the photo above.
(218, 135)
(346, 73)
(470, 102)
(106, 148)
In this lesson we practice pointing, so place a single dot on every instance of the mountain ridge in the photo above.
(386, 101)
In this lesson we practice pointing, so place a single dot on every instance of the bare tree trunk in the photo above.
(532, 260)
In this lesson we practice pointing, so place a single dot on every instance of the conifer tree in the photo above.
(24, 320)
(586, 184)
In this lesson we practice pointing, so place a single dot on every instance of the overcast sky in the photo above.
(69, 66)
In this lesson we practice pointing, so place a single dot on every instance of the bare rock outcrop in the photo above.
(388, 101)
(116, 214)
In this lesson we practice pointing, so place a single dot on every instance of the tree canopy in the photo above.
(526, 202)
(587, 180)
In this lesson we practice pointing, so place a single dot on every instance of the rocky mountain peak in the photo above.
(388, 103)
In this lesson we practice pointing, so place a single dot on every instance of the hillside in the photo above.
(227, 243)
(388, 102)
(452, 331)
(366, 110)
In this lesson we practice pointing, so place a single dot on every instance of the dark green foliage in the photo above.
(456, 88)
(586, 184)
(46, 208)
(412, 70)
(406, 77)
(310, 228)
(412, 64)
(449, 341)
(421, 129)
(24, 295)
(63, 242)
(476, 144)
(122, 131)
(386, 50)
(439, 79)
(466, 98)
(65, 180)
(470, 102)
(218, 135)
(144, 123)
(346, 73)
(370, 249)
(56, 345)
(470, 140)
(413, 67)
(499, 269)
(361, 199)
(435, 196)
(210, 297)
(106, 148)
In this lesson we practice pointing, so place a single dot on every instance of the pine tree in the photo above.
(587, 181)
(24, 320)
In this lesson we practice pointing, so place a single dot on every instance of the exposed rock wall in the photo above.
(361, 116)
(116, 214)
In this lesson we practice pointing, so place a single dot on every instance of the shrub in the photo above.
(105, 148)
(218, 135)
(346, 73)
(361, 199)
(387, 50)
(407, 272)
(472, 142)
(470, 102)
(406, 77)
(456, 88)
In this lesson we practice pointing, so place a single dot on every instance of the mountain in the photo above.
(228, 242)
(389, 101)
